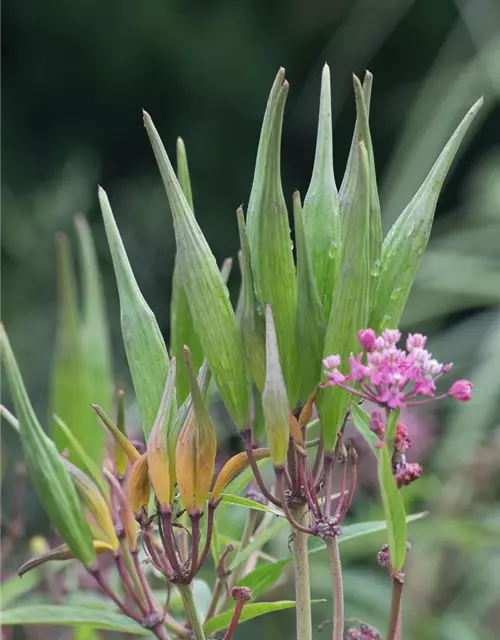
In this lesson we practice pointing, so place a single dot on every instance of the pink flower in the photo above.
(402, 442)
(377, 424)
(367, 339)
(358, 370)
(393, 377)
(461, 390)
(332, 362)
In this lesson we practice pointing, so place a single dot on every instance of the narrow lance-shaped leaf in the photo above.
(311, 322)
(70, 391)
(350, 306)
(269, 238)
(407, 240)
(62, 552)
(361, 421)
(196, 449)
(252, 322)
(274, 397)
(213, 316)
(146, 352)
(46, 468)
(393, 509)
(321, 204)
(94, 326)
(362, 134)
(157, 449)
(182, 330)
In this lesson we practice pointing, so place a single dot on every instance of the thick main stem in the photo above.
(394, 626)
(191, 612)
(301, 569)
(332, 546)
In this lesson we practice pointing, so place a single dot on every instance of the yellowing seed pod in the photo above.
(139, 488)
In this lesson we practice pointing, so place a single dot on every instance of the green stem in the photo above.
(332, 547)
(301, 569)
(191, 612)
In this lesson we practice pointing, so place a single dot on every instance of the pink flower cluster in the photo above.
(393, 377)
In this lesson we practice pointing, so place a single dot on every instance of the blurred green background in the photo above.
(75, 77)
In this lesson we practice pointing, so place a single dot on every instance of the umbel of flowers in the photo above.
(267, 358)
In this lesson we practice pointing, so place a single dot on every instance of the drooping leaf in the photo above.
(321, 207)
(146, 352)
(208, 297)
(394, 510)
(70, 616)
(351, 303)
(269, 237)
(246, 503)
(408, 237)
(250, 611)
(46, 468)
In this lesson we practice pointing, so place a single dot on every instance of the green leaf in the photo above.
(215, 543)
(407, 240)
(394, 510)
(239, 501)
(274, 397)
(252, 323)
(258, 542)
(250, 611)
(87, 463)
(321, 206)
(269, 237)
(311, 320)
(261, 580)
(68, 616)
(213, 316)
(146, 352)
(182, 330)
(94, 325)
(361, 420)
(351, 302)
(46, 468)
(14, 587)
(70, 390)
(349, 184)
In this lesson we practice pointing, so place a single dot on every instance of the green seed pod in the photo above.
(46, 468)
(252, 322)
(213, 316)
(196, 449)
(119, 456)
(311, 321)
(407, 240)
(350, 306)
(321, 204)
(182, 330)
(274, 397)
(146, 352)
(269, 237)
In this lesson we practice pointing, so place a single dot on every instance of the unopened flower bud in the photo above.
(241, 594)
(461, 390)
(408, 474)
(196, 449)
(363, 632)
(367, 339)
